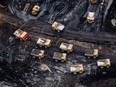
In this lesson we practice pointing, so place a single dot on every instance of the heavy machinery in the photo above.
(60, 57)
(22, 35)
(66, 47)
(104, 63)
(58, 26)
(91, 53)
(93, 1)
(113, 22)
(79, 68)
(35, 10)
(91, 17)
(44, 42)
(38, 53)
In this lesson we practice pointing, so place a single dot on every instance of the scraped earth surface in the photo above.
(19, 69)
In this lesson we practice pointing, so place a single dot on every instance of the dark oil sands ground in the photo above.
(19, 69)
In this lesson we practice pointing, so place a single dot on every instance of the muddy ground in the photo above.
(19, 69)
